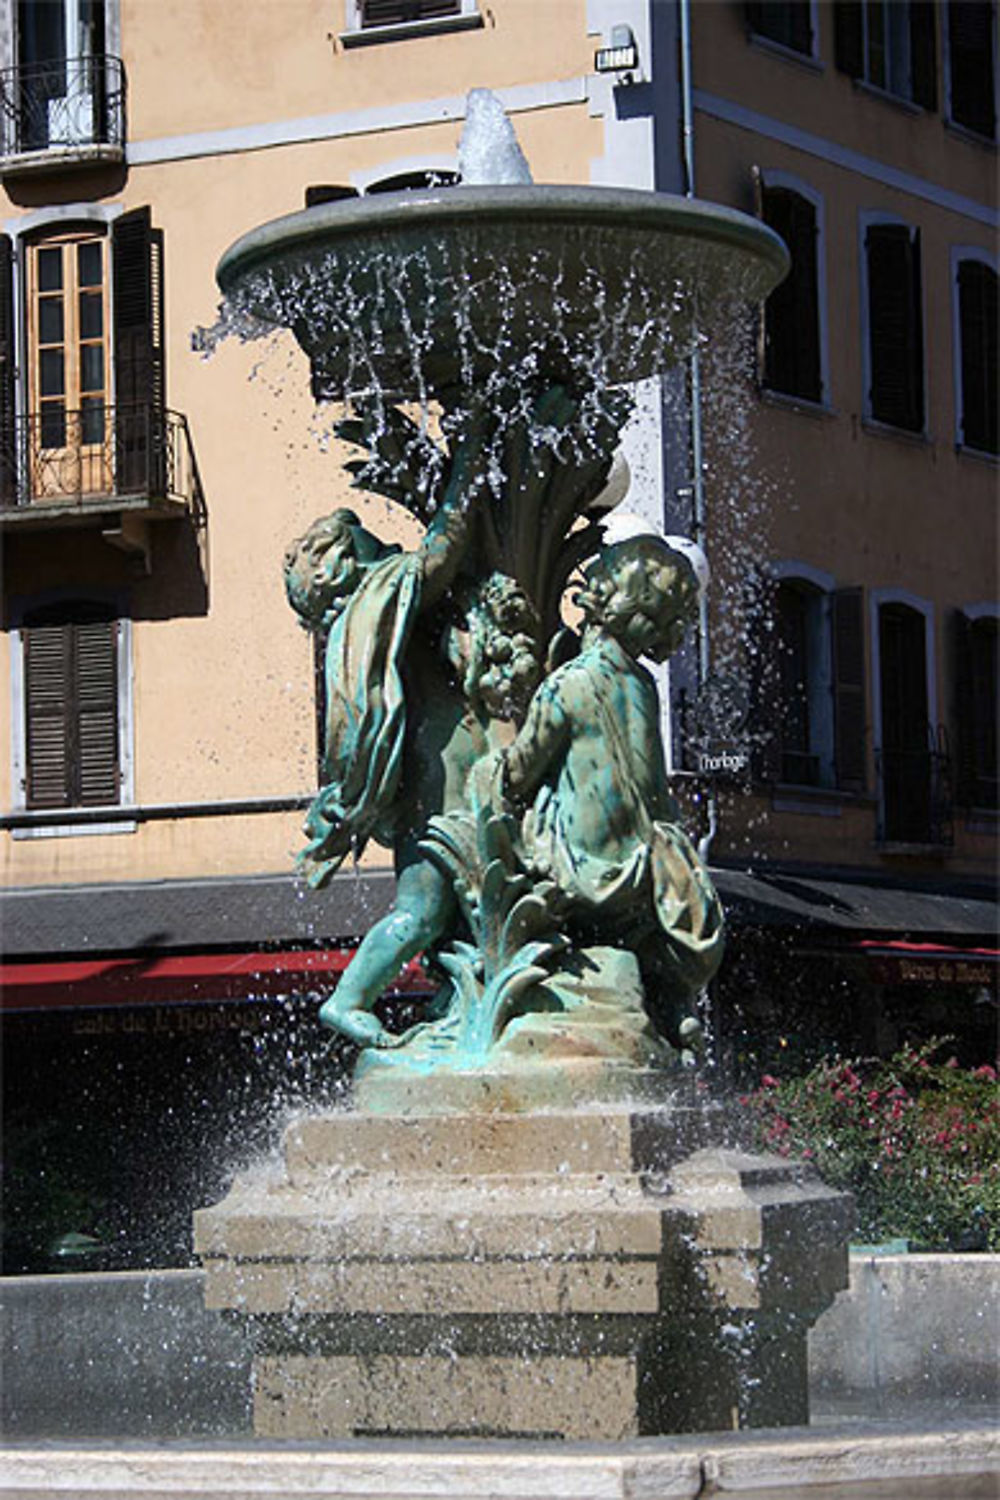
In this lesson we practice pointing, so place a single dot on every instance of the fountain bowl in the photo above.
(419, 293)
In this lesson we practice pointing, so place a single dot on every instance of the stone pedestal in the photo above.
(604, 1273)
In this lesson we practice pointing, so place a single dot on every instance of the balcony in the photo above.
(67, 113)
(915, 795)
(114, 468)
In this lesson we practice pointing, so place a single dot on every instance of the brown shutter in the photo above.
(137, 286)
(923, 52)
(791, 337)
(972, 53)
(8, 438)
(977, 316)
(71, 710)
(895, 330)
(96, 672)
(763, 675)
(849, 37)
(963, 707)
(849, 688)
(394, 12)
(48, 691)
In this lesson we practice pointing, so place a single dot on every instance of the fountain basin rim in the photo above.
(328, 225)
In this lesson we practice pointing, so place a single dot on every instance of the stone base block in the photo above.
(591, 1273)
(302, 1396)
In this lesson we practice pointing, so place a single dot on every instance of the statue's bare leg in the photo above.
(424, 908)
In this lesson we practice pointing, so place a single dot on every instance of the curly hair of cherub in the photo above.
(346, 548)
(638, 576)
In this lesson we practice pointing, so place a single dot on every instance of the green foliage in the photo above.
(917, 1141)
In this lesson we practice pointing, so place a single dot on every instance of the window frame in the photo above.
(50, 821)
(946, 55)
(868, 219)
(467, 17)
(958, 256)
(783, 49)
(971, 616)
(768, 179)
(877, 600)
(819, 587)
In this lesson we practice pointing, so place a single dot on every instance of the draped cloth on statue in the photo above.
(366, 717)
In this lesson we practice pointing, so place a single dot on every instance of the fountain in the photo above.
(530, 1222)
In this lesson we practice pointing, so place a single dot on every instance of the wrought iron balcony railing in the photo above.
(915, 786)
(99, 454)
(76, 103)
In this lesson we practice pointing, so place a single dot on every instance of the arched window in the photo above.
(976, 665)
(793, 357)
(895, 341)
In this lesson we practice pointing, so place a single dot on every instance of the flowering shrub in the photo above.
(917, 1141)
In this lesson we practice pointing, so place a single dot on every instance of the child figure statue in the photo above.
(587, 774)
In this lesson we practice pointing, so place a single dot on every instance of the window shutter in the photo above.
(137, 266)
(977, 316)
(963, 708)
(971, 52)
(763, 674)
(96, 670)
(791, 339)
(894, 326)
(923, 52)
(8, 439)
(395, 12)
(849, 37)
(71, 710)
(48, 679)
(849, 688)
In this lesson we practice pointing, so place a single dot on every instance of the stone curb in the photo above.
(960, 1463)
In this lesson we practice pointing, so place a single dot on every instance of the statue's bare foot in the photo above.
(360, 1026)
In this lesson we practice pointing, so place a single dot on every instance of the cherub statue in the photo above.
(587, 773)
(421, 664)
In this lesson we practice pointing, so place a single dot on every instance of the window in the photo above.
(803, 674)
(792, 340)
(65, 90)
(913, 769)
(810, 661)
(894, 344)
(72, 751)
(977, 355)
(398, 12)
(90, 420)
(971, 63)
(976, 665)
(890, 44)
(789, 23)
(378, 20)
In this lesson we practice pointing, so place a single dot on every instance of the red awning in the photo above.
(181, 979)
(930, 963)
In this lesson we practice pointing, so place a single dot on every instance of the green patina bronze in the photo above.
(514, 766)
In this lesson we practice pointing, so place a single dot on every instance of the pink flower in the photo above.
(985, 1071)
(768, 1081)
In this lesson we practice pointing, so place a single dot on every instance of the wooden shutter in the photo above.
(137, 289)
(763, 676)
(923, 52)
(963, 707)
(895, 329)
(395, 12)
(71, 710)
(8, 435)
(977, 316)
(971, 53)
(849, 688)
(791, 318)
(849, 37)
